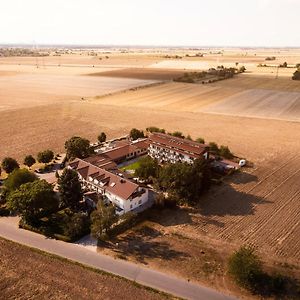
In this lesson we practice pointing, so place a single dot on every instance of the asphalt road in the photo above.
(145, 276)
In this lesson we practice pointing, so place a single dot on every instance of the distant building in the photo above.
(167, 148)
(123, 193)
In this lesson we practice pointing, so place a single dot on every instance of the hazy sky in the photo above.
(151, 22)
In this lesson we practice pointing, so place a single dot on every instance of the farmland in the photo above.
(256, 115)
(42, 276)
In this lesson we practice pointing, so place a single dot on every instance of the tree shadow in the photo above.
(175, 216)
(142, 246)
(242, 178)
(231, 202)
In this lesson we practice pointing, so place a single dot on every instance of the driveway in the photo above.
(83, 255)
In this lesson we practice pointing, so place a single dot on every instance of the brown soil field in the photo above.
(37, 128)
(40, 109)
(260, 103)
(171, 96)
(245, 95)
(145, 73)
(41, 276)
(37, 89)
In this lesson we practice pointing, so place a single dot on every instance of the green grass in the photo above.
(133, 166)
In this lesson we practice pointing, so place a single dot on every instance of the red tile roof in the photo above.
(181, 145)
(113, 183)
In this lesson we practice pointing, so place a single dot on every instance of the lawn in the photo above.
(132, 166)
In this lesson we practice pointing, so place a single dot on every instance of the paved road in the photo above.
(142, 275)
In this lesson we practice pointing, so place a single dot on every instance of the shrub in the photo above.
(225, 152)
(29, 161)
(9, 164)
(76, 225)
(45, 156)
(17, 178)
(214, 148)
(102, 137)
(246, 268)
(200, 140)
(155, 129)
(136, 134)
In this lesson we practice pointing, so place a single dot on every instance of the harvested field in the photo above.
(41, 276)
(145, 73)
(171, 96)
(37, 89)
(260, 103)
(259, 208)
(255, 81)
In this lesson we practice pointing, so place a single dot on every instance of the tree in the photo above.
(136, 134)
(102, 220)
(189, 138)
(17, 178)
(296, 75)
(245, 267)
(225, 152)
(77, 147)
(76, 225)
(45, 156)
(242, 69)
(186, 182)
(29, 161)
(9, 164)
(155, 129)
(200, 140)
(148, 168)
(69, 189)
(214, 148)
(178, 134)
(102, 137)
(32, 200)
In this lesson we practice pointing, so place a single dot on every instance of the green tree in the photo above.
(245, 267)
(155, 129)
(296, 75)
(200, 140)
(214, 148)
(148, 168)
(225, 152)
(29, 161)
(17, 178)
(242, 69)
(186, 182)
(77, 147)
(9, 164)
(178, 134)
(102, 137)
(32, 200)
(69, 189)
(76, 225)
(45, 156)
(102, 220)
(136, 134)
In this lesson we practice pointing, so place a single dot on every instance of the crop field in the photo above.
(171, 96)
(246, 96)
(44, 277)
(42, 107)
(144, 73)
(262, 208)
(260, 103)
(37, 89)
